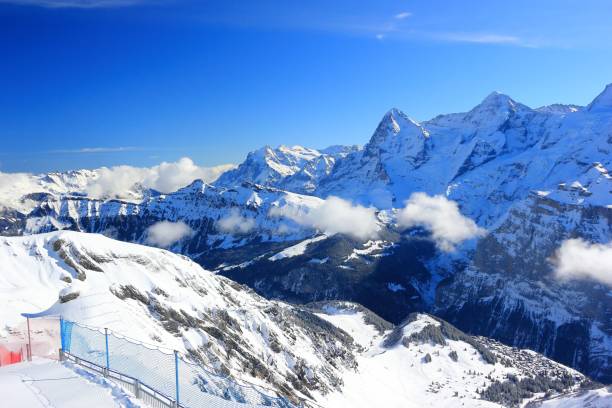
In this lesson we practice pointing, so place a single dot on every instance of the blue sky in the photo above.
(107, 82)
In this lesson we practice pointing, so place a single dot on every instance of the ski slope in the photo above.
(46, 383)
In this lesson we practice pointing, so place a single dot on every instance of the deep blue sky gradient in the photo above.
(213, 80)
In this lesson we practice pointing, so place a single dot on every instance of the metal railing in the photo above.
(141, 391)
(158, 378)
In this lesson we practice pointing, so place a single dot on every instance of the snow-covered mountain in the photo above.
(485, 159)
(358, 360)
(166, 299)
(21, 192)
(531, 178)
(220, 220)
(509, 279)
(297, 169)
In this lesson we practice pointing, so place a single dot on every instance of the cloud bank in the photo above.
(165, 177)
(579, 259)
(441, 217)
(335, 216)
(166, 233)
(235, 223)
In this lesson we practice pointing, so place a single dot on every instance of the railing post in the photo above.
(61, 352)
(107, 355)
(29, 341)
(176, 376)
(137, 388)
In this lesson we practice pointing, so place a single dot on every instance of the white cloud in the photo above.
(334, 216)
(12, 188)
(285, 229)
(579, 259)
(235, 223)
(166, 177)
(380, 36)
(441, 217)
(403, 15)
(166, 233)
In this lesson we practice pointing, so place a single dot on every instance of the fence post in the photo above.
(61, 322)
(62, 347)
(107, 356)
(29, 341)
(137, 388)
(176, 376)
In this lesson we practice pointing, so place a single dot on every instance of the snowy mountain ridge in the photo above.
(295, 169)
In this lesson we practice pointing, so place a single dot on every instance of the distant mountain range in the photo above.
(528, 178)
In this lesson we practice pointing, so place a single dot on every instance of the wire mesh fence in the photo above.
(167, 373)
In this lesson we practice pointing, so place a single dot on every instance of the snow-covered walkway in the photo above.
(50, 384)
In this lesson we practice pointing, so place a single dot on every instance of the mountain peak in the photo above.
(395, 120)
(603, 101)
(495, 107)
(394, 123)
(497, 99)
(196, 186)
(395, 112)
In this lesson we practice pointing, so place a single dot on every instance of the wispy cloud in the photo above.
(483, 38)
(398, 29)
(82, 4)
(98, 149)
(403, 15)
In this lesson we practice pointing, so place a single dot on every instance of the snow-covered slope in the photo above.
(427, 362)
(597, 398)
(46, 383)
(163, 298)
(166, 299)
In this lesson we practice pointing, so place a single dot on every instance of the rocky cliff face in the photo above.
(509, 291)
